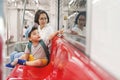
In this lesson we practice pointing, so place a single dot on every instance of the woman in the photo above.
(79, 27)
(42, 19)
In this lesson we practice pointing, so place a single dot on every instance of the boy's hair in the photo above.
(33, 28)
(29, 31)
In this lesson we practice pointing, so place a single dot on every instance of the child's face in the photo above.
(35, 37)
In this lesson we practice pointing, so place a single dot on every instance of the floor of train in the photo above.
(6, 70)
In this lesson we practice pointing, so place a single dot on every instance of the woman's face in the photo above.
(81, 21)
(43, 20)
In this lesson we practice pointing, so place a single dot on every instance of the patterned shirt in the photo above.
(37, 51)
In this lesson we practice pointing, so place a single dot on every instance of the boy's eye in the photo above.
(36, 33)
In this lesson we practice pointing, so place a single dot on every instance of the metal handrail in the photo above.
(25, 1)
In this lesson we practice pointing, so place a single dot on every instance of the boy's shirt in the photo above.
(37, 51)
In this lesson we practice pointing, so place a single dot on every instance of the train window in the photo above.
(74, 20)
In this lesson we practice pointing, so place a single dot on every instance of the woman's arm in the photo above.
(55, 33)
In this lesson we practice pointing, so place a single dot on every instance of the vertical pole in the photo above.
(6, 20)
(88, 29)
(21, 34)
(58, 14)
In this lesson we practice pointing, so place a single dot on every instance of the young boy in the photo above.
(37, 51)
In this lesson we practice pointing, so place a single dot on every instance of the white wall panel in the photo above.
(105, 30)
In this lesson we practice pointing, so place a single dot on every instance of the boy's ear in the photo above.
(29, 39)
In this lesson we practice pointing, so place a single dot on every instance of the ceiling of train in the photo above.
(40, 2)
(73, 5)
(31, 5)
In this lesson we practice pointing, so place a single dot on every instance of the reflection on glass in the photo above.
(79, 27)
(77, 20)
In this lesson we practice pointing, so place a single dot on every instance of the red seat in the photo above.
(67, 63)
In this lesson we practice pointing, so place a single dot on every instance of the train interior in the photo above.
(94, 56)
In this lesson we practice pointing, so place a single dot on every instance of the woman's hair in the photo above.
(38, 13)
(77, 17)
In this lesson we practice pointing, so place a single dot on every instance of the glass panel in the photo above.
(77, 20)
(74, 20)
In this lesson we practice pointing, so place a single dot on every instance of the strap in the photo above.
(29, 46)
(45, 49)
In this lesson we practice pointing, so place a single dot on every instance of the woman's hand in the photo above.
(61, 31)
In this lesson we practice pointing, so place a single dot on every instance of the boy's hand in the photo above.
(21, 61)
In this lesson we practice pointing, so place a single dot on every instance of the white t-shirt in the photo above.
(79, 31)
(45, 32)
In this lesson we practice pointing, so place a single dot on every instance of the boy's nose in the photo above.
(39, 36)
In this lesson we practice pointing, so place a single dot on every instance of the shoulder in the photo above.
(46, 41)
(29, 44)
(49, 28)
(84, 28)
(75, 27)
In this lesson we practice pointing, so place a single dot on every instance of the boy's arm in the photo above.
(24, 56)
(26, 53)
